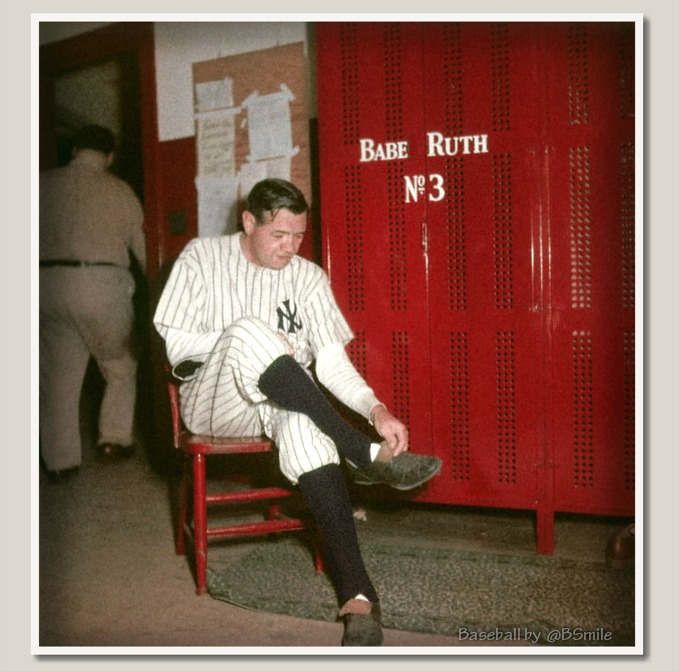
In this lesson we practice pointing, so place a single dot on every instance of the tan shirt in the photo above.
(89, 214)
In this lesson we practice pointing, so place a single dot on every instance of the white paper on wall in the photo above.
(216, 137)
(218, 183)
(251, 173)
(214, 95)
(270, 124)
(217, 200)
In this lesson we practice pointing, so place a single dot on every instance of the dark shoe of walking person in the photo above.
(406, 471)
(63, 476)
(112, 452)
(362, 623)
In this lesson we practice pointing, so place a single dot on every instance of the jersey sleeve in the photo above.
(339, 376)
(179, 316)
(327, 325)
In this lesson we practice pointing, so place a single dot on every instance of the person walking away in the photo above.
(90, 221)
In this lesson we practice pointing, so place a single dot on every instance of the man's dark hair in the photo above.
(271, 195)
(95, 137)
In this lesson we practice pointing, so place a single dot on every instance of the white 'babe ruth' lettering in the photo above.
(437, 145)
(386, 151)
(440, 145)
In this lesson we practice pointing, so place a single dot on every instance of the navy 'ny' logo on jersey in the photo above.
(287, 318)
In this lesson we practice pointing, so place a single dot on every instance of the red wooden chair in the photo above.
(193, 521)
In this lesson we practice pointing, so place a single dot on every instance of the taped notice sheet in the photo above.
(270, 124)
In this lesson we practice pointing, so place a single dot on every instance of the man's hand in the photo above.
(391, 429)
(288, 345)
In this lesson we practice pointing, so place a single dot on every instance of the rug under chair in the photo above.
(475, 596)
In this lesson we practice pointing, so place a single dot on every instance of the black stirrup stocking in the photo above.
(285, 383)
(326, 493)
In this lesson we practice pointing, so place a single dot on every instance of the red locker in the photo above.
(591, 187)
(477, 209)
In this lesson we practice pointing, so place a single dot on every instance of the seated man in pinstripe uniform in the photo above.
(243, 318)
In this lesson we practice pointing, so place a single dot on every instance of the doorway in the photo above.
(105, 93)
(107, 76)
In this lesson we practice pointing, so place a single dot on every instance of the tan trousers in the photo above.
(84, 312)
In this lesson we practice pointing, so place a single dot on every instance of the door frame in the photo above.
(89, 48)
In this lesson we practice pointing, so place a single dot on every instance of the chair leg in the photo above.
(273, 512)
(194, 477)
(319, 567)
(200, 522)
(180, 540)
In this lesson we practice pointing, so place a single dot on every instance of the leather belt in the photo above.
(75, 264)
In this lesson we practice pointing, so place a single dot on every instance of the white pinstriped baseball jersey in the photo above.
(212, 285)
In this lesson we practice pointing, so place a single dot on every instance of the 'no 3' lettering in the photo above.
(430, 186)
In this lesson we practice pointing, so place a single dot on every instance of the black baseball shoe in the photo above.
(406, 471)
(362, 624)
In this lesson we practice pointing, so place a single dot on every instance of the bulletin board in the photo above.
(251, 123)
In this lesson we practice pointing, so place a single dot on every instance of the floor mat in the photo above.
(476, 596)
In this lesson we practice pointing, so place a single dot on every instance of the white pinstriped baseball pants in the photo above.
(224, 400)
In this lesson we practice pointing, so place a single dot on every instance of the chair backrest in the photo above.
(173, 394)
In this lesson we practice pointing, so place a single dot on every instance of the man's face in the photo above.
(274, 243)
